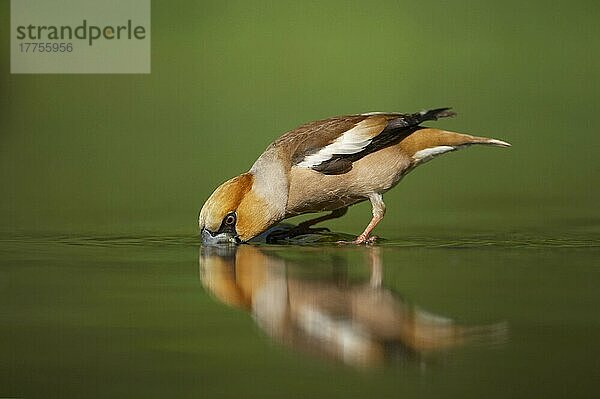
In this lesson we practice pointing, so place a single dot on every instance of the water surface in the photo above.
(160, 317)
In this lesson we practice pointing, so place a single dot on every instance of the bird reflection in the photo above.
(316, 305)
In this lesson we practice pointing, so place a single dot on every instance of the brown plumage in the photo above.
(328, 165)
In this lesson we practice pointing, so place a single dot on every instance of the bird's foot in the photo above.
(361, 240)
(294, 232)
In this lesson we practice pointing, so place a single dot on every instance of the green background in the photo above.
(102, 177)
(141, 153)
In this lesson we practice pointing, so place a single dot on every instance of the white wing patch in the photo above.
(352, 141)
(429, 153)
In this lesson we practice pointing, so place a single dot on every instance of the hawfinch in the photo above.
(327, 165)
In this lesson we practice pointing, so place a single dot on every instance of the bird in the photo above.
(328, 165)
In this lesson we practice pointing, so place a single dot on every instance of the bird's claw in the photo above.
(371, 240)
(361, 240)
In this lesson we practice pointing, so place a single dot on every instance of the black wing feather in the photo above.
(396, 130)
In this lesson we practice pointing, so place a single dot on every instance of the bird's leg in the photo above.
(304, 227)
(378, 212)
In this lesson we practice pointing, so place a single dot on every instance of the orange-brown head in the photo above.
(233, 213)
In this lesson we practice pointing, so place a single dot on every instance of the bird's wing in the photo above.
(331, 146)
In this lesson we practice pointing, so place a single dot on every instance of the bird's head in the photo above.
(233, 213)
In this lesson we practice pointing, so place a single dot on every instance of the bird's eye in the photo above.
(230, 219)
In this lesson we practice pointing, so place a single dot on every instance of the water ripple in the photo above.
(505, 240)
(103, 240)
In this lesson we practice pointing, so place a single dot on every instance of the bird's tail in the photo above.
(427, 143)
(433, 114)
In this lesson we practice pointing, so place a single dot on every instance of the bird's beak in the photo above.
(224, 238)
